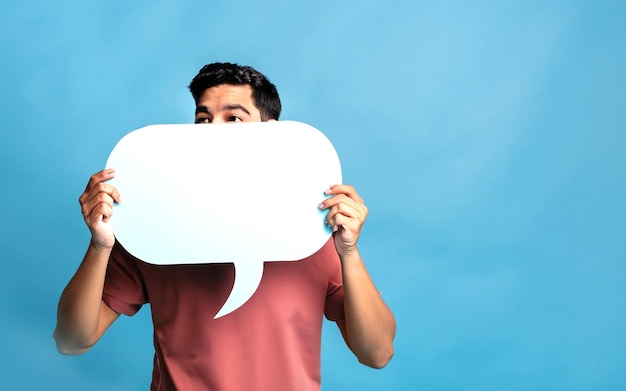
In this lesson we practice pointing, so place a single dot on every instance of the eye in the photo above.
(203, 120)
(234, 118)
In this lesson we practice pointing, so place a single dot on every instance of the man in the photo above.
(273, 341)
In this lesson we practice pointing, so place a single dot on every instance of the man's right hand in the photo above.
(82, 316)
(96, 204)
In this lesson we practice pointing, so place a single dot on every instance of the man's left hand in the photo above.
(346, 215)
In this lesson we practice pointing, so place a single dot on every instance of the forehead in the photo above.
(226, 93)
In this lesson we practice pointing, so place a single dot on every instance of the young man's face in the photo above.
(227, 103)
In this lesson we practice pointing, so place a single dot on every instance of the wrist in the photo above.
(99, 247)
(349, 254)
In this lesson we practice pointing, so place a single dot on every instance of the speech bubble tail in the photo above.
(247, 280)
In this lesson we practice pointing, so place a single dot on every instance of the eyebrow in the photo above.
(204, 109)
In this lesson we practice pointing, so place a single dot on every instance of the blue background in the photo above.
(486, 137)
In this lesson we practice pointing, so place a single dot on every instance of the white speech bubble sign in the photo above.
(241, 193)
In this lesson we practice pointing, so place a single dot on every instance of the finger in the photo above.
(342, 221)
(337, 199)
(96, 190)
(347, 223)
(344, 203)
(343, 209)
(101, 198)
(345, 216)
(100, 176)
(101, 212)
(100, 193)
(348, 190)
(95, 183)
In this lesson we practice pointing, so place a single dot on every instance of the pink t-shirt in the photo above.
(272, 342)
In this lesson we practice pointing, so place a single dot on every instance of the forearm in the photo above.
(369, 324)
(79, 310)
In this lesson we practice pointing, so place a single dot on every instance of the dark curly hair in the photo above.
(264, 93)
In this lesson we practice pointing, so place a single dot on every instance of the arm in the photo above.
(82, 316)
(369, 327)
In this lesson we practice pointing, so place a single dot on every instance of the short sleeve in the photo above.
(333, 308)
(124, 288)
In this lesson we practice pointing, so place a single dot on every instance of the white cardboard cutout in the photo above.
(244, 193)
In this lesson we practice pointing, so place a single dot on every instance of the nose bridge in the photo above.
(219, 118)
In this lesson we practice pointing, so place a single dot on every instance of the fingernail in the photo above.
(321, 206)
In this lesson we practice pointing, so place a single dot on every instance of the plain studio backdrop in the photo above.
(487, 139)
